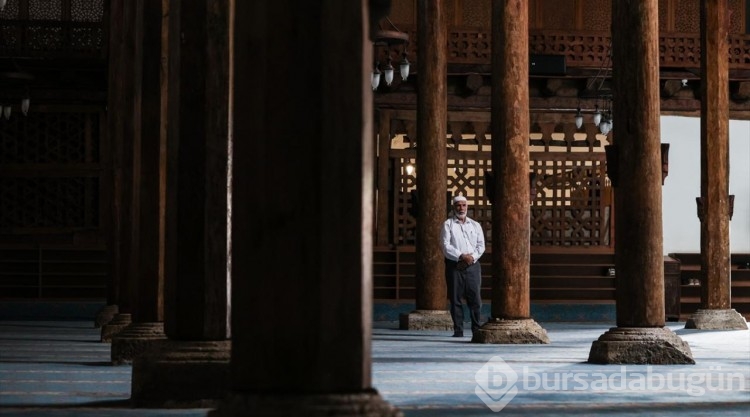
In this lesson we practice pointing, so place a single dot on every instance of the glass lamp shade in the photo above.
(375, 78)
(6, 112)
(579, 119)
(25, 103)
(597, 116)
(388, 73)
(605, 126)
(403, 67)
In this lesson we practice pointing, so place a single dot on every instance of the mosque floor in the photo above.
(60, 369)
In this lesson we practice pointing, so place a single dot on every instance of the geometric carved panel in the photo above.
(86, 10)
(559, 14)
(52, 168)
(477, 13)
(44, 38)
(45, 9)
(572, 202)
(49, 203)
(687, 17)
(10, 11)
(597, 15)
(50, 138)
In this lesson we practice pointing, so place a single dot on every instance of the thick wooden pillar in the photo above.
(432, 163)
(113, 130)
(302, 211)
(511, 251)
(640, 336)
(193, 365)
(716, 311)
(147, 325)
(121, 130)
(639, 256)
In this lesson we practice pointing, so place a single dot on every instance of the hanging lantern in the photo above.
(25, 103)
(579, 118)
(388, 72)
(404, 68)
(375, 80)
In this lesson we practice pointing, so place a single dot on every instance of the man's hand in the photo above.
(466, 258)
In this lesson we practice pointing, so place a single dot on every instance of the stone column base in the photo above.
(182, 374)
(134, 340)
(426, 320)
(640, 346)
(709, 319)
(118, 323)
(105, 315)
(512, 331)
(367, 403)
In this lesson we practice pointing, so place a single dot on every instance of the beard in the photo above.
(461, 216)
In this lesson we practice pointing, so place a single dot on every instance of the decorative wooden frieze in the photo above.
(583, 49)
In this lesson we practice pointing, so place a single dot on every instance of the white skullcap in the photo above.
(458, 198)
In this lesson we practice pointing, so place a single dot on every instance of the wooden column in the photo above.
(639, 261)
(716, 311)
(511, 251)
(302, 211)
(113, 130)
(147, 326)
(431, 169)
(193, 364)
(120, 129)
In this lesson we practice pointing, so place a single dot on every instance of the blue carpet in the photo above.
(61, 369)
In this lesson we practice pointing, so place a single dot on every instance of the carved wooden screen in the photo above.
(573, 199)
(50, 171)
(53, 28)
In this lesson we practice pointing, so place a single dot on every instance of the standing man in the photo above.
(463, 244)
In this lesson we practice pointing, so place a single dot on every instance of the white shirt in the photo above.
(458, 238)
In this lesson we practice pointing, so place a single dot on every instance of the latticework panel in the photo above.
(404, 209)
(45, 9)
(48, 203)
(559, 14)
(572, 197)
(476, 13)
(10, 11)
(86, 10)
(572, 203)
(50, 138)
(52, 28)
(51, 171)
(597, 14)
(86, 38)
(44, 38)
(573, 200)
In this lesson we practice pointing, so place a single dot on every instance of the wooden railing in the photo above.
(557, 275)
(56, 271)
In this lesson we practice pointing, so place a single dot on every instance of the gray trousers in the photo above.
(464, 284)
